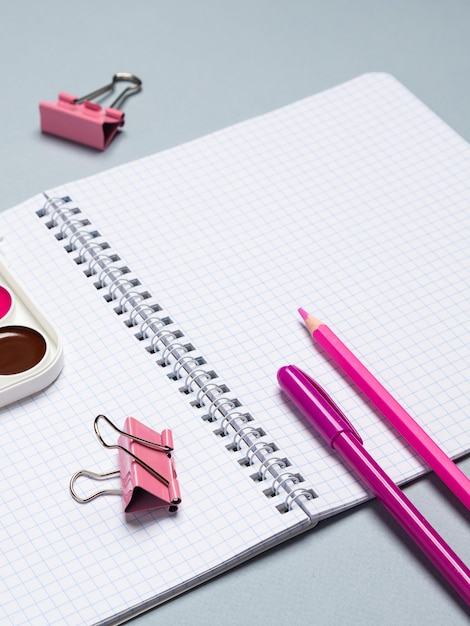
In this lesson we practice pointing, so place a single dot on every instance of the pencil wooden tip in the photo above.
(310, 322)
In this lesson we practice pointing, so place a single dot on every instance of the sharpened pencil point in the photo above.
(310, 322)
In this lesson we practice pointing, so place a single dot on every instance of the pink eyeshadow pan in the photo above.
(5, 301)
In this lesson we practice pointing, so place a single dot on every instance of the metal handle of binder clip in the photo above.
(93, 476)
(144, 442)
(134, 87)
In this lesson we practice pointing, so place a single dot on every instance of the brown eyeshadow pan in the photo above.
(21, 348)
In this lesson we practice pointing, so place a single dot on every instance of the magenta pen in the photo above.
(334, 427)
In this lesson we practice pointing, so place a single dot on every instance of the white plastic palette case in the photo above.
(31, 352)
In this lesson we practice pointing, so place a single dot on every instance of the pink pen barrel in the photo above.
(337, 431)
(404, 512)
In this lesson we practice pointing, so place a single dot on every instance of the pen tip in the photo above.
(303, 313)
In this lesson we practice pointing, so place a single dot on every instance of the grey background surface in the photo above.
(205, 65)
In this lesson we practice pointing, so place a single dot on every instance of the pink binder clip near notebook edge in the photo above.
(146, 468)
(84, 121)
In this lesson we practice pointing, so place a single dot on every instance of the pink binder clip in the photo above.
(148, 476)
(83, 121)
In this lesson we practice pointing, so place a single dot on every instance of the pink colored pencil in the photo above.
(418, 439)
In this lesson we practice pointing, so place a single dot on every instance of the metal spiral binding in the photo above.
(211, 394)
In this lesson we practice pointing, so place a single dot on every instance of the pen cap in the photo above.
(315, 404)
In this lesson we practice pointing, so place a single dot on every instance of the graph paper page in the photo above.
(352, 204)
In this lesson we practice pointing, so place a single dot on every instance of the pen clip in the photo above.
(315, 404)
(329, 400)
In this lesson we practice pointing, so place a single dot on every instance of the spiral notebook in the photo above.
(174, 281)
